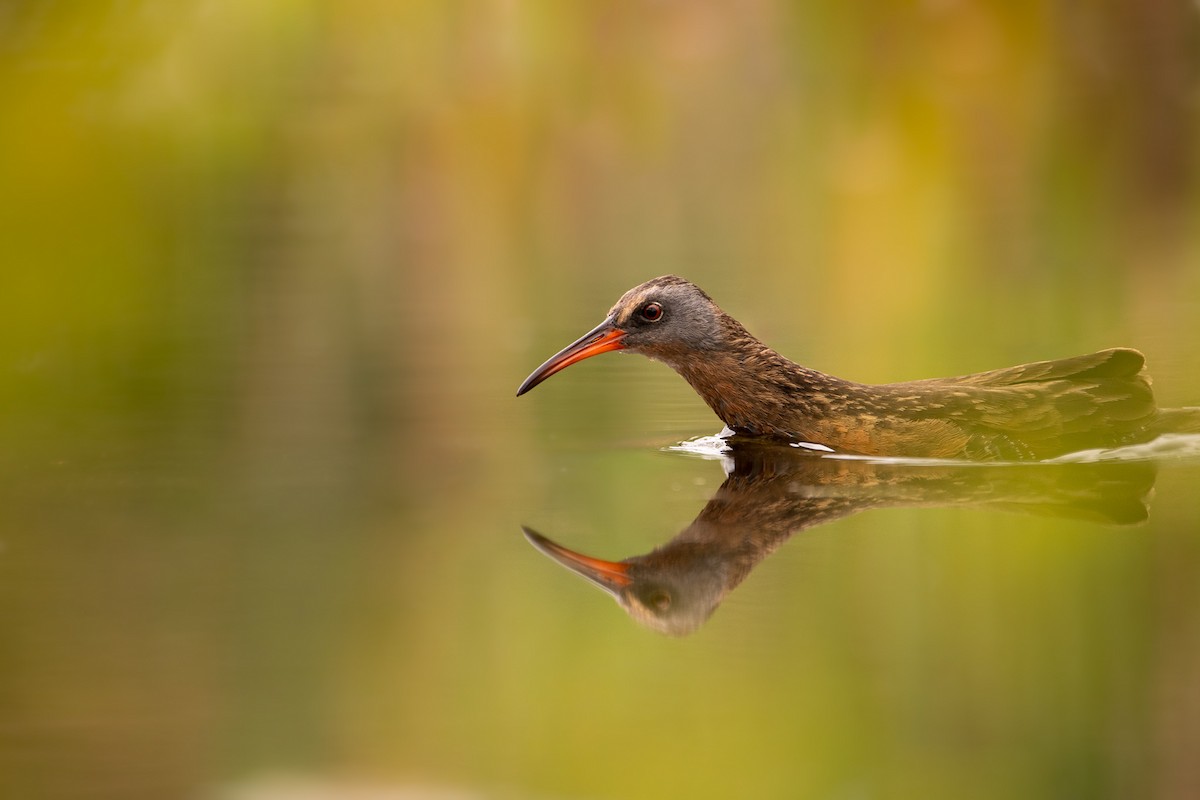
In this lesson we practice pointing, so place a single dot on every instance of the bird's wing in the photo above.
(1050, 406)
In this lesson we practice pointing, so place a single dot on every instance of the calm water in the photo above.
(187, 615)
(271, 273)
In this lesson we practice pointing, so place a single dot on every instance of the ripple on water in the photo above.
(1170, 446)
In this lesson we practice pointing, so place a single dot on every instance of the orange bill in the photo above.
(600, 339)
(612, 576)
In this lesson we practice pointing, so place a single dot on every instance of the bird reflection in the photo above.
(772, 492)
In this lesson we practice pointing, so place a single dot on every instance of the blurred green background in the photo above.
(272, 272)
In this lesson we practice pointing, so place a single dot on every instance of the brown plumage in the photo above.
(1031, 411)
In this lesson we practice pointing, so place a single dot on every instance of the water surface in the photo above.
(183, 619)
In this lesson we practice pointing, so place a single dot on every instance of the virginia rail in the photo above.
(1031, 411)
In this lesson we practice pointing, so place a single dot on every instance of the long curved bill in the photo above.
(600, 339)
(611, 576)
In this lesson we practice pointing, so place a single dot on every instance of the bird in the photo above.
(1027, 412)
(771, 493)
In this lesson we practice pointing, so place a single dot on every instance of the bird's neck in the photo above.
(755, 390)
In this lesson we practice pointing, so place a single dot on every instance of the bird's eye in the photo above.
(652, 312)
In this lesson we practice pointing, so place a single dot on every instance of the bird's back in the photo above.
(1041, 409)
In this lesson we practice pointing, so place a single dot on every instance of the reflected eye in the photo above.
(652, 312)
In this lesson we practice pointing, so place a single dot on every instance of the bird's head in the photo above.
(668, 319)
